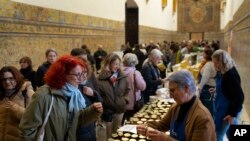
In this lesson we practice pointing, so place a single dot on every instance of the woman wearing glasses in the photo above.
(68, 110)
(114, 88)
(187, 120)
(15, 95)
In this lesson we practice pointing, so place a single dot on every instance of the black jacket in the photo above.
(151, 76)
(41, 72)
(30, 75)
(231, 88)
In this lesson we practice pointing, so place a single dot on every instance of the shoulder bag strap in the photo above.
(134, 88)
(24, 93)
(41, 131)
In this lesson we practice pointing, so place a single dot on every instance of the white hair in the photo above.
(155, 53)
(225, 59)
(183, 78)
(130, 60)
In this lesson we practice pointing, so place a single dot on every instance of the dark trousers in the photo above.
(128, 114)
(86, 134)
(207, 99)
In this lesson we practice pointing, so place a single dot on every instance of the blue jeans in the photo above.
(221, 126)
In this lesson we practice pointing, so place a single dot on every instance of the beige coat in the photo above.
(10, 117)
(199, 125)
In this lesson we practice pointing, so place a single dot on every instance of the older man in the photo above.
(151, 74)
(187, 119)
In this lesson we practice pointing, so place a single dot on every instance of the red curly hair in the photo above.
(55, 77)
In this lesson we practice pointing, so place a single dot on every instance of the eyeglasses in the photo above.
(80, 75)
(22, 62)
(8, 79)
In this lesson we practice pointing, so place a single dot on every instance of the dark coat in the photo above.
(41, 72)
(151, 77)
(87, 132)
(30, 75)
(99, 55)
(231, 89)
(141, 57)
(114, 97)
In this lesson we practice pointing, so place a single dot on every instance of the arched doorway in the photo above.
(131, 23)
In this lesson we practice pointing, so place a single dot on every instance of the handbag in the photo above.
(40, 134)
(138, 104)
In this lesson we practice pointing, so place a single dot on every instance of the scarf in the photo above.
(113, 78)
(9, 93)
(77, 102)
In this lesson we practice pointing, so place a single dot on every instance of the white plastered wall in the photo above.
(231, 8)
(151, 14)
(108, 9)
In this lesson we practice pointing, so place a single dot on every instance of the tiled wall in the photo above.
(240, 26)
(157, 35)
(239, 31)
(198, 16)
(27, 30)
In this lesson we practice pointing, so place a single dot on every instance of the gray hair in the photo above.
(130, 60)
(225, 59)
(183, 78)
(155, 53)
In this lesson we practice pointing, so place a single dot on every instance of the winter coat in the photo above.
(151, 76)
(114, 96)
(30, 75)
(99, 55)
(136, 85)
(231, 89)
(41, 72)
(10, 117)
(199, 124)
(57, 128)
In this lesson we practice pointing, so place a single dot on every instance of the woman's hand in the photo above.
(229, 119)
(87, 91)
(141, 129)
(8, 103)
(156, 135)
(98, 107)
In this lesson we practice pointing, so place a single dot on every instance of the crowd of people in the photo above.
(68, 96)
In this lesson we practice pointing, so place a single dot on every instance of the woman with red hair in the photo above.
(69, 109)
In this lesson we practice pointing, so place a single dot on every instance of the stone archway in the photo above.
(131, 22)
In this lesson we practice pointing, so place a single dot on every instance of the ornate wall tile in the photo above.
(198, 16)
